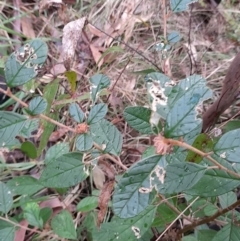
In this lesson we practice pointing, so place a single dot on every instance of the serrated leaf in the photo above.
(98, 82)
(6, 200)
(10, 125)
(31, 212)
(37, 105)
(72, 79)
(229, 232)
(227, 199)
(7, 231)
(84, 142)
(138, 118)
(174, 37)
(76, 113)
(126, 229)
(56, 151)
(220, 181)
(105, 133)
(22, 65)
(179, 177)
(62, 224)
(66, 171)
(228, 146)
(182, 117)
(159, 86)
(87, 204)
(97, 113)
(133, 191)
(180, 5)
(29, 149)
(24, 185)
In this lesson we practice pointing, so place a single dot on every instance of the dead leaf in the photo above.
(56, 135)
(98, 177)
(103, 200)
(27, 27)
(107, 168)
(71, 34)
(96, 55)
(46, 4)
(95, 31)
(21, 232)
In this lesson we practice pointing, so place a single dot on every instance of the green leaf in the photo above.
(6, 200)
(30, 126)
(164, 215)
(159, 87)
(37, 105)
(182, 117)
(231, 125)
(45, 214)
(230, 232)
(210, 210)
(138, 118)
(87, 204)
(203, 235)
(24, 185)
(97, 113)
(22, 65)
(227, 199)
(228, 146)
(104, 132)
(126, 229)
(84, 142)
(76, 113)
(174, 37)
(66, 171)
(10, 125)
(31, 212)
(72, 79)
(189, 238)
(179, 177)
(49, 94)
(98, 82)
(7, 231)
(221, 182)
(180, 5)
(133, 191)
(56, 151)
(203, 142)
(62, 224)
(29, 149)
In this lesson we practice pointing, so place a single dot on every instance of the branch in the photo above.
(208, 219)
(44, 117)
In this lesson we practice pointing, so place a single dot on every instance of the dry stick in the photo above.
(119, 76)
(191, 148)
(122, 42)
(9, 93)
(209, 219)
(19, 225)
(177, 218)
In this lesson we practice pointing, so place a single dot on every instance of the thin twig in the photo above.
(19, 225)
(177, 218)
(48, 119)
(203, 154)
(208, 219)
